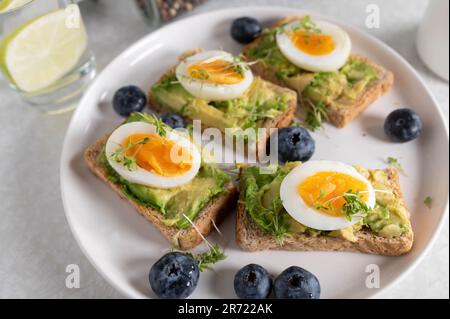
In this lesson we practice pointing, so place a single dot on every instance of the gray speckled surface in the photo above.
(35, 241)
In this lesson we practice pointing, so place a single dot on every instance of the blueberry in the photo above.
(252, 282)
(173, 120)
(295, 144)
(403, 125)
(296, 283)
(244, 30)
(129, 99)
(174, 276)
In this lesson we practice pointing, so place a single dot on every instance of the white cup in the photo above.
(433, 38)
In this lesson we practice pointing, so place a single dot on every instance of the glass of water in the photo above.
(44, 52)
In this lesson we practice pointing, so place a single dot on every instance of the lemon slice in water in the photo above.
(6, 5)
(43, 50)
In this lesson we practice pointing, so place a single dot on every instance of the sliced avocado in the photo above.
(189, 201)
(325, 87)
(356, 70)
(260, 192)
(354, 90)
(154, 196)
(289, 166)
(260, 102)
(268, 53)
(390, 231)
(389, 209)
(210, 116)
(259, 91)
(300, 82)
(174, 97)
(253, 187)
(172, 203)
(341, 87)
(346, 233)
(294, 226)
(271, 198)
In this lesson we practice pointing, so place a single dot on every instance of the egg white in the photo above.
(140, 175)
(309, 216)
(208, 91)
(316, 63)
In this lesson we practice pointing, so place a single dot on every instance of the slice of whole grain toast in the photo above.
(280, 121)
(337, 115)
(212, 214)
(250, 237)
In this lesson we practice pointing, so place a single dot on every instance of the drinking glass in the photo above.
(44, 52)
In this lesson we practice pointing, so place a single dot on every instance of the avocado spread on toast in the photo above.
(172, 203)
(315, 89)
(260, 102)
(261, 195)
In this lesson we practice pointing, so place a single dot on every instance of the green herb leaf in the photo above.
(428, 201)
(270, 220)
(239, 65)
(395, 162)
(356, 70)
(167, 82)
(129, 161)
(200, 74)
(160, 126)
(207, 259)
(268, 53)
(295, 123)
(322, 194)
(317, 114)
(353, 205)
(307, 24)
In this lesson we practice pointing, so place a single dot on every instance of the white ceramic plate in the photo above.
(122, 245)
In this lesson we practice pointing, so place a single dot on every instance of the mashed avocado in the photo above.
(259, 103)
(188, 199)
(390, 217)
(261, 195)
(339, 88)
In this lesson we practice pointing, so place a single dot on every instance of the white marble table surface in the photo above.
(36, 244)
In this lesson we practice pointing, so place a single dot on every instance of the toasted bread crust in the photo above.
(337, 116)
(184, 239)
(250, 238)
(282, 120)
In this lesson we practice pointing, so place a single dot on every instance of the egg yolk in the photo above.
(216, 72)
(325, 189)
(153, 153)
(313, 43)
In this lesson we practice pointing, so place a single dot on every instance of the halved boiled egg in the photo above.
(326, 47)
(140, 154)
(214, 76)
(313, 194)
